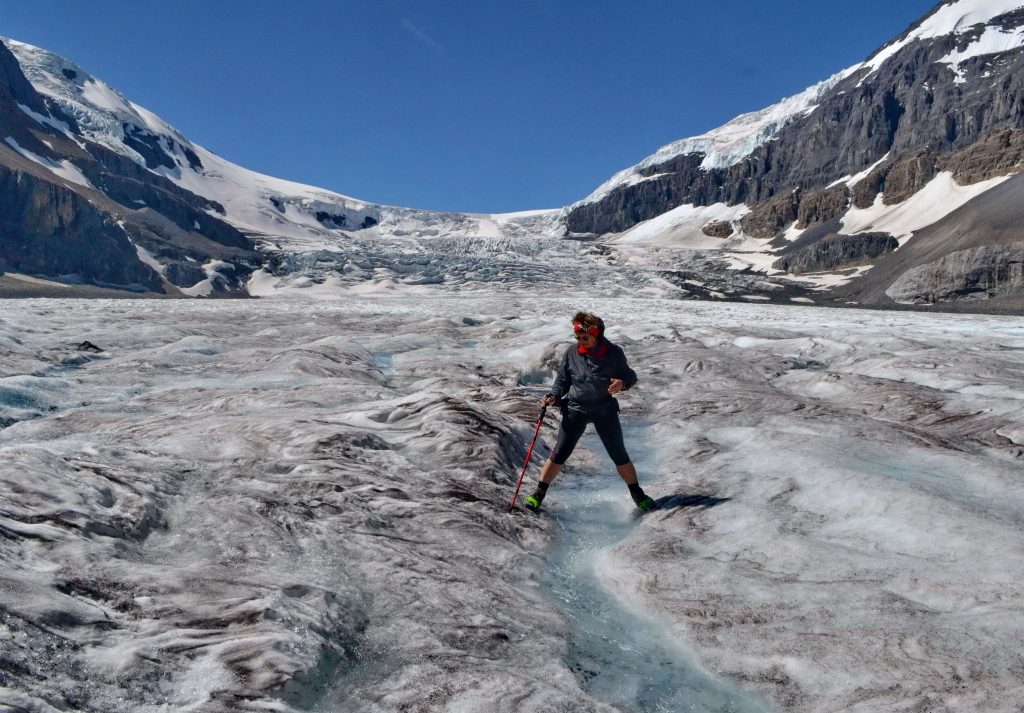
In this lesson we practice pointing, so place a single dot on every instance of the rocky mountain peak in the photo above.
(14, 87)
(944, 98)
(76, 211)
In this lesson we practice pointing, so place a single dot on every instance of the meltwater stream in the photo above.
(619, 657)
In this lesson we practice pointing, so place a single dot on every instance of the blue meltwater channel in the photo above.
(621, 657)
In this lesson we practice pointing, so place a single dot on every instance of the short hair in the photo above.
(589, 320)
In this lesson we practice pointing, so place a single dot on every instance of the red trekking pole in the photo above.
(543, 410)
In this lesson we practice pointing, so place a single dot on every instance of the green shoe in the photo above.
(533, 501)
(646, 503)
(642, 499)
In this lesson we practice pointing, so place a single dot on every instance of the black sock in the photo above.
(635, 490)
(542, 488)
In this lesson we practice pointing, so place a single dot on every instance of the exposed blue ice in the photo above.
(619, 656)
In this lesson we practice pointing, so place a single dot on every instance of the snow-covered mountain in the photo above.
(260, 205)
(80, 136)
(851, 178)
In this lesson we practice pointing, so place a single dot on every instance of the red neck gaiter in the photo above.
(598, 352)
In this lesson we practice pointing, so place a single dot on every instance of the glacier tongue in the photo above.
(301, 505)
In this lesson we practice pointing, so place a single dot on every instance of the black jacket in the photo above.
(582, 381)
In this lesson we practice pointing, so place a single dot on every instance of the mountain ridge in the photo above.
(934, 114)
(944, 98)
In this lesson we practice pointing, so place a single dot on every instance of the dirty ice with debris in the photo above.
(302, 505)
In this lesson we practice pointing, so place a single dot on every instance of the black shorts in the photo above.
(575, 423)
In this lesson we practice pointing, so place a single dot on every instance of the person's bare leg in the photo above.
(549, 471)
(626, 472)
(547, 475)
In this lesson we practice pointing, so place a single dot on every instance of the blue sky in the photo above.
(469, 105)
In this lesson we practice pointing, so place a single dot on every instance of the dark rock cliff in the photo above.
(985, 233)
(718, 229)
(50, 230)
(771, 216)
(84, 232)
(986, 272)
(836, 252)
(14, 87)
(913, 108)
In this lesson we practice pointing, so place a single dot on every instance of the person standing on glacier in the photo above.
(590, 375)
